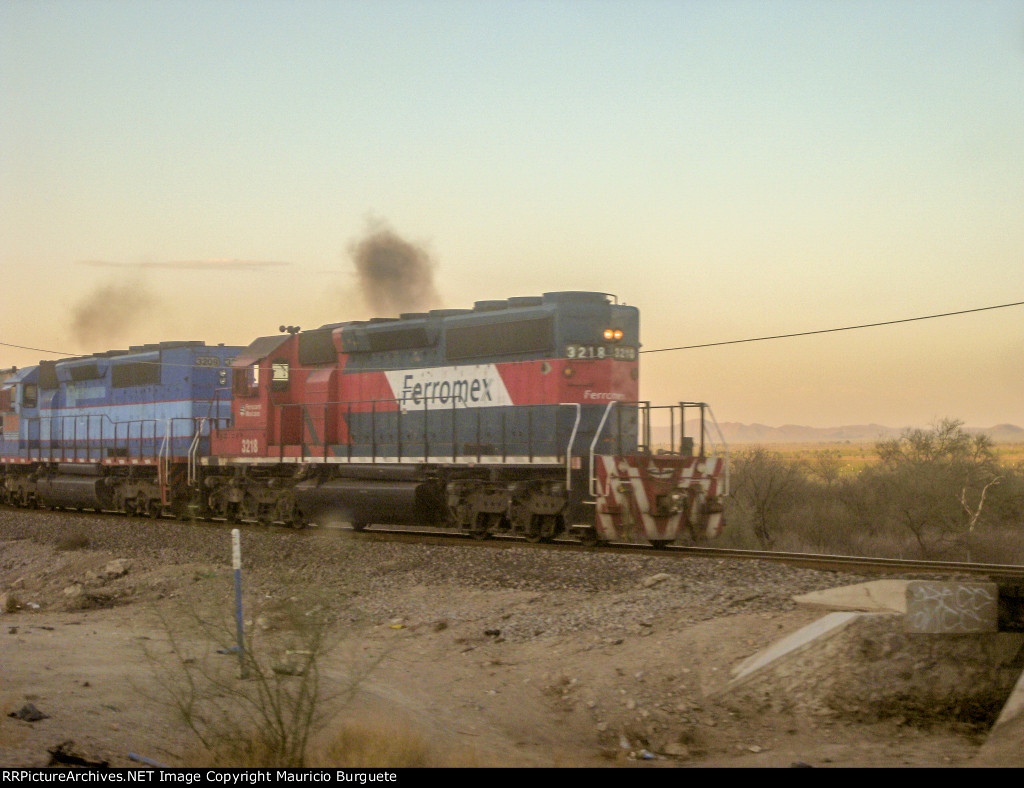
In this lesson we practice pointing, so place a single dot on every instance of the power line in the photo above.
(37, 349)
(832, 330)
(667, 349)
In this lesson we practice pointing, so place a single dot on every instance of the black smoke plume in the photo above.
(395, 275)
(110, 313)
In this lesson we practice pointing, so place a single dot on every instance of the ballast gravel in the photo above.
(529, 591)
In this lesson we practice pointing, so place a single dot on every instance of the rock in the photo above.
(114, 569)
(9, 602)
(676, 749)
(74, 591)
(28, 713)
(67, 754)
(653, 580)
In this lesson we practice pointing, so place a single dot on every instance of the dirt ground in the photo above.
(649, 699)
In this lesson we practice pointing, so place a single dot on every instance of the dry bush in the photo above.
(939, 493)
(76, 540)
(263, 706)
(765, 487)
(378, 742)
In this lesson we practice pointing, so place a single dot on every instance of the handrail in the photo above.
(58, 438)
(163, 464)
(572, 440)
(725, 454)
(193, 453)
(593, 447)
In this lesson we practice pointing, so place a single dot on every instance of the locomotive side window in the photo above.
(500, 339)
(317, 347)
(29, 396)
(279, 376)
(86, 372)
(246, 381)
(398, 339)
(48, 375)
(140, 373)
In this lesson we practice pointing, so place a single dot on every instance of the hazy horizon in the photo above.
(211, 170)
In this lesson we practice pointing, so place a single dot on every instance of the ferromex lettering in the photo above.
(439, 388)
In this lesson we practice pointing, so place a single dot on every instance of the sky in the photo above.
(206, 169)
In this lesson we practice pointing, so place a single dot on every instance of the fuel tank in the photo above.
(364, 501)
(74, 491)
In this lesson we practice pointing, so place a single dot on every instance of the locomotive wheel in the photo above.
(485, 521)
(588, 537)
(543, 528)
(179, 510)
(359, 525)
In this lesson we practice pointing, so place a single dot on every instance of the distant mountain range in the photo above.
(734, 432)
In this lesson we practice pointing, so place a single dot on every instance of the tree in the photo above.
(937, 480)
(767, 486)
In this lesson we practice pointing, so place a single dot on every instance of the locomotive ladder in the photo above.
(163, 464)
(193, 454)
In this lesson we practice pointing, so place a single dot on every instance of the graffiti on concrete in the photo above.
(951, 607)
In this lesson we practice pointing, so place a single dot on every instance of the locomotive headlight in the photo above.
(613, 334)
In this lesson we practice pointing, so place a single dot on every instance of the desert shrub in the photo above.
(938, 493)
(265, 705)
(936, 483)
(765, 489)
(1005, 504)
(375, 742)
(75, 540)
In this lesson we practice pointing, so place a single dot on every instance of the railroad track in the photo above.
(1007, 574)
(1003, 573)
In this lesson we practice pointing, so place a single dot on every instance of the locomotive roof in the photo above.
(259, 348)
(430, 322)
(151, 347)
(495, 305)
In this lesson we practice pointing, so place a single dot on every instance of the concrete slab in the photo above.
(877, 596)
(1013, 709)
(811, 634)
(868, 667)
(1005, 743)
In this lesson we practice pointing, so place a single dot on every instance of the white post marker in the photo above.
(236, 563)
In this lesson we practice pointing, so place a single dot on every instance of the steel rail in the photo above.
(1011, 573)
(823, 561)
